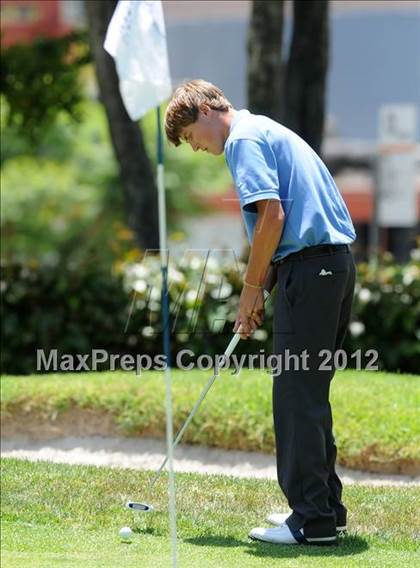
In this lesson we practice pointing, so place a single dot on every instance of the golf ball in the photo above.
(126, 533)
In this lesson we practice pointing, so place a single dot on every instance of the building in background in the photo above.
(373, 61)
(25, 20)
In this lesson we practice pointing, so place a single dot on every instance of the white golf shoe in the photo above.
(278, 519)
(276, 535)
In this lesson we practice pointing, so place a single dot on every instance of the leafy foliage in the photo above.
(75, 308)
(62, 197)
(41, 80)
(386, 312)
(63, 202)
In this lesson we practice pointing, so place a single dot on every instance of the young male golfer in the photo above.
(300, 231)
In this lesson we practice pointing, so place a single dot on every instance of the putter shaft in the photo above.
(196, 406)
(228, 352)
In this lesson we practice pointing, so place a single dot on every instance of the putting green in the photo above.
(69, 516)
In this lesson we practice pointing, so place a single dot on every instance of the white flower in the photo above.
(365, 295)
(407, 278)
(140, 286)
(356, 328)
(260, 334)
(175, 276)
(191, 296)
(410, 274)
(405, 299)
(415, 254)
(148, 331)
(154, 306)
(137, 271)
(140, 304)
(212, 278)
(221, 293)
(195, 263)
(154, 293)
(212, 264)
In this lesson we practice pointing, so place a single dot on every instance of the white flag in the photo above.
(136, 39)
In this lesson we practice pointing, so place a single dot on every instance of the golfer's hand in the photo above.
(251, 311)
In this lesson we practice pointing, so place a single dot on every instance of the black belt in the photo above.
(313, 251)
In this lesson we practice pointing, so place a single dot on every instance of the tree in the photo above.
(300, 103)
(307, 70)
(40, 80)
(126, 136)
(264, 58)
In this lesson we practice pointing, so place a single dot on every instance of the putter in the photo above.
(144, 507)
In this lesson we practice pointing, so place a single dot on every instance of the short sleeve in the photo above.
(254, 170)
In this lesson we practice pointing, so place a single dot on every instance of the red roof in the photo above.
(357, 194)
(22, 21)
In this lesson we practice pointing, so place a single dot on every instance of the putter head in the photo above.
(143, 507)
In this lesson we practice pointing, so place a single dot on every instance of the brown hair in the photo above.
(185, 104)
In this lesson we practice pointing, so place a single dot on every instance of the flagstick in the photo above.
(164, 254)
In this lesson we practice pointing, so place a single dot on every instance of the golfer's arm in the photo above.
(267, 234)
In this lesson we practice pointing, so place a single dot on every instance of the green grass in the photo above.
(375, 414)
(69, 516)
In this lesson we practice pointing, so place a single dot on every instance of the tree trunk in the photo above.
(264, 78)
(307, 71)
(135, 168)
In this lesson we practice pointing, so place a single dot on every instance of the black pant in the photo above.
(312, 312)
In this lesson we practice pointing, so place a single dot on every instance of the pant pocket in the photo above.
(283, 321)
(292, 284)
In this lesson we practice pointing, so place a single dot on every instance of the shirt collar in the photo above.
(239, 114)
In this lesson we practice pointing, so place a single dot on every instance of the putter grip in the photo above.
(233, 343)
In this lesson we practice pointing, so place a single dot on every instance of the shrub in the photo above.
(62, 196)
(386, 312)
(40, 80)
(75, 309)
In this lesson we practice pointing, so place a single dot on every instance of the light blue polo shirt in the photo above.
(269, 161)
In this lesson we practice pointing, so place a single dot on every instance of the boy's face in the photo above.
(207, 133)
